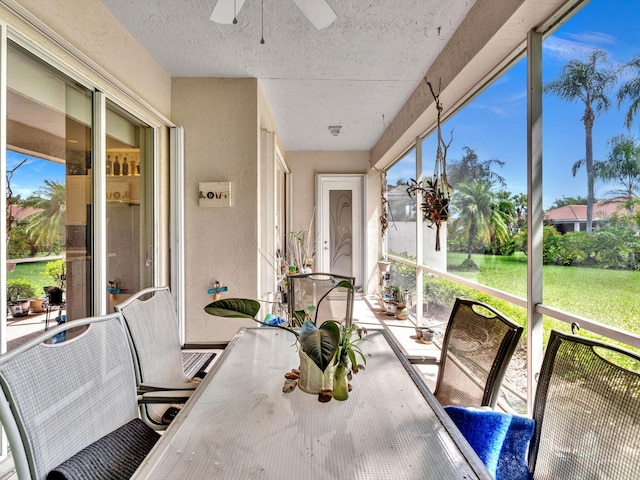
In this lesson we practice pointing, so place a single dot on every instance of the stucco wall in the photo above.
(220, 118)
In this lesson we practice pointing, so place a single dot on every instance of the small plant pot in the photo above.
(426, 335)
(390, 308)
(36, 305)
(19, 308)
(402, 312)
(383, 266)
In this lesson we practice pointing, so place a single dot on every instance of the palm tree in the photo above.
(477, 215)
(623, 166)
(469, 167)
(588, 82)
(631, 90)
(47, 227)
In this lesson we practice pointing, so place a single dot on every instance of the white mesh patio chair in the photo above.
(151, 321)
(70, 408)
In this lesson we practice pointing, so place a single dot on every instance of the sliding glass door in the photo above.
(57, 206)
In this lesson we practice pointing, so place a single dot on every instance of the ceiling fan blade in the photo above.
(226, 10)
(319, 12)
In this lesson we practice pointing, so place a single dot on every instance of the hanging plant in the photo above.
(435, 191)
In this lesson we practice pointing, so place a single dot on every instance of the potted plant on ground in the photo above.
(19, 295)
(327, 347)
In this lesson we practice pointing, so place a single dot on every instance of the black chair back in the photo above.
(587, 411)
(478, 344)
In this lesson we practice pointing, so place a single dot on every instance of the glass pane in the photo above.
(485, 235)
(129, 249)
(49, 121)
(341, 231)
(401, 230)
(591, 245)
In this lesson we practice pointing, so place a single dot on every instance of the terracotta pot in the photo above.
(36, 305)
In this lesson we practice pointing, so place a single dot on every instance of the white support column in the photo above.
(99, 210)
(3, 200)
(534, 212)
(419, 238)
(176, 223)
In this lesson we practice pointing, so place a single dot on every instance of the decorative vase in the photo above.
(340, 385)
(312, 379)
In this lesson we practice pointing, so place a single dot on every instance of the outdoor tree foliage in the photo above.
(469, 167)
(622, 166)
(588, 82)
(631, 90)
(47, 227)
(477, 216)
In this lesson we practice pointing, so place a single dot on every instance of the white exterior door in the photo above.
(339, 236)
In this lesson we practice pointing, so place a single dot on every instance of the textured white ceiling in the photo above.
(357, 72)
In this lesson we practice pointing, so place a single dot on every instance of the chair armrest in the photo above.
(205, 346)
(422, 360)
(147, 387)
(172, 396)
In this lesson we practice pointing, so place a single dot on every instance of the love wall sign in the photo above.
(215, 194)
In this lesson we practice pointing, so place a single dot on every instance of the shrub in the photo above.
(55, 271)
(19, 289)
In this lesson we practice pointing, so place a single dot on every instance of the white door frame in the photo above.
(357, 185)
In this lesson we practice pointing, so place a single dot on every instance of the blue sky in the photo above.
(28, 178)
(494, 123)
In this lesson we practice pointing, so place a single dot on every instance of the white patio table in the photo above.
(240, 425)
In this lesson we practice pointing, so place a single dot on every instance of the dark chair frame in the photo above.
(495, 375)
(586, 405)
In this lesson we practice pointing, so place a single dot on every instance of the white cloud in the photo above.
(565, 50)
(595, 39)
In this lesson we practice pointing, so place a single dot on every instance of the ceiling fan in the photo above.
(319, 12)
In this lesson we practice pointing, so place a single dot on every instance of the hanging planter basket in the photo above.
(435, 191)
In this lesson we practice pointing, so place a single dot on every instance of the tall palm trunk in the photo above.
(588, 119)
(473, 231)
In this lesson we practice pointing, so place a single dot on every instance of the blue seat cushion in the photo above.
(115, 456)
(501, 440)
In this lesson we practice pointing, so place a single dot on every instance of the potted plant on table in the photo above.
(328, 352)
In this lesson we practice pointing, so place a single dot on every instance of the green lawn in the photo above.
(33, 272)
(608, 296)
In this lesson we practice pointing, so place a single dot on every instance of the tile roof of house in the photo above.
(601, 210)
(18, 212)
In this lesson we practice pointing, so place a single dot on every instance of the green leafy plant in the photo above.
(19, 289)
(56, 271)
(346, 360)
(319, 342)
